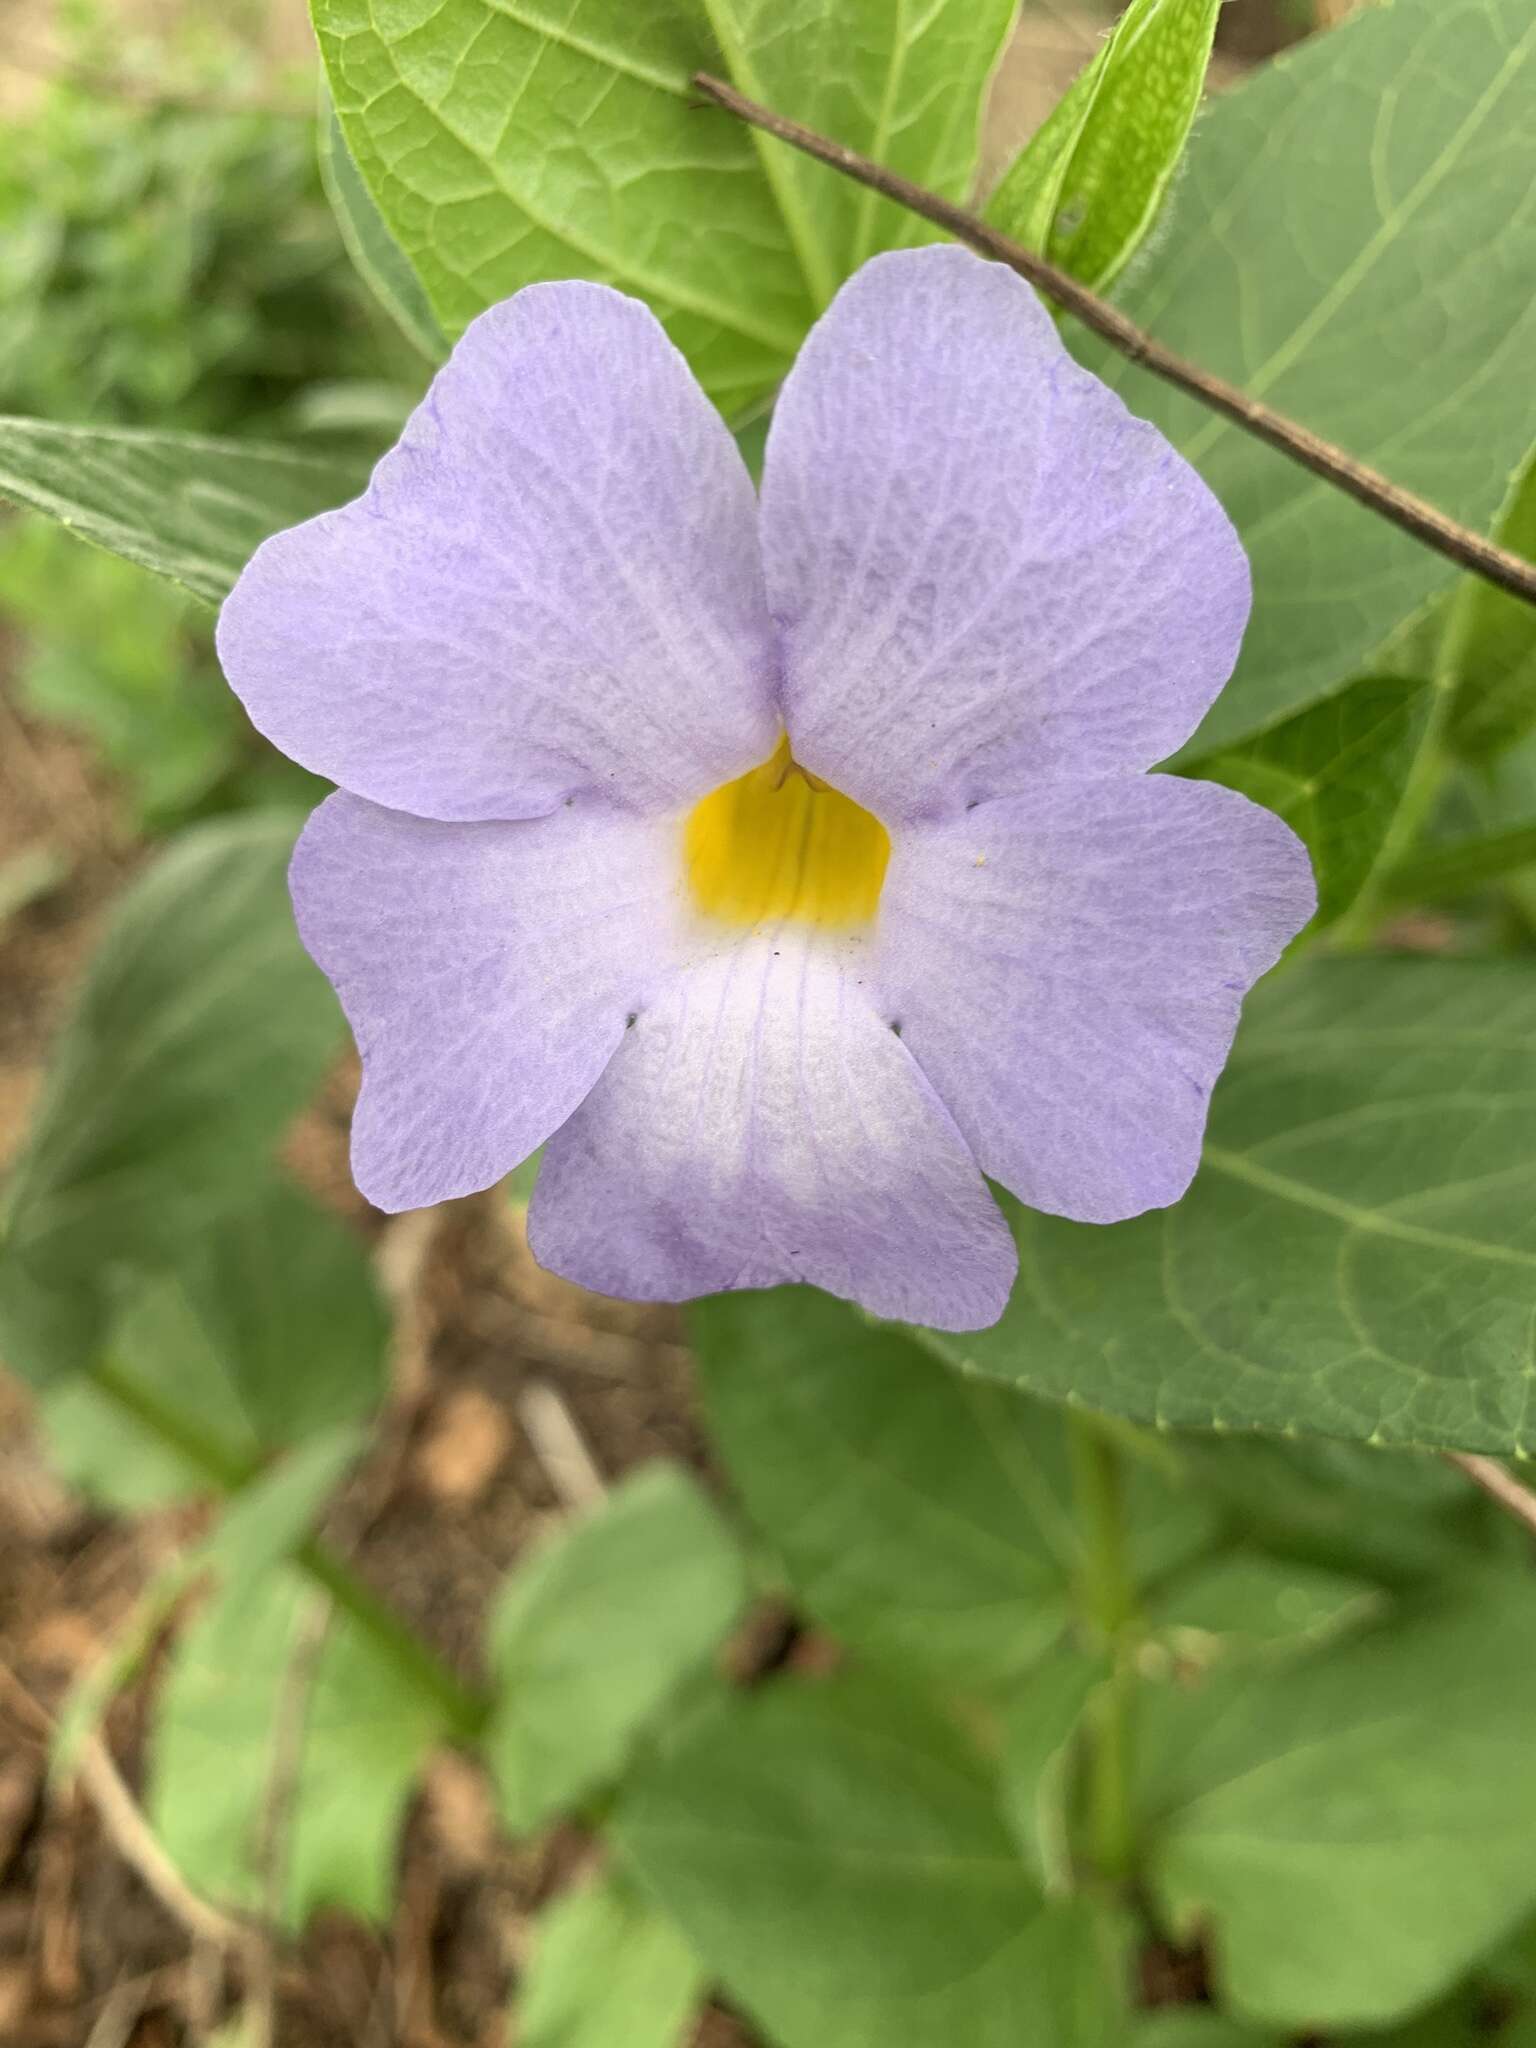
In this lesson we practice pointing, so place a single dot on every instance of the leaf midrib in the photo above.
(779, 172)
(584, 46)
(1377, 1222)
(666, 291)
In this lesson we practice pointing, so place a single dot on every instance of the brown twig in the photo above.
(557, 1442)
(103, 1784)
(1499, 1484)
(120, 2013)
(130, 1833)
(1415, 515)
(134, 1840)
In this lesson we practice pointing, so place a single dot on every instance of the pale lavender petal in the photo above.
(763, 1124)
(982, 567)
(1067, 967)
(488, 972)
(551, 586)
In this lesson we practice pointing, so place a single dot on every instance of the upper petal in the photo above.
(552, 584)
(487, 971)
(981, 565)
(1067, 967)
(763, 1124)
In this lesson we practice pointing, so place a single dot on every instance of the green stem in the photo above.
(467, 1710)
(229, 1469)
(1107, 1598)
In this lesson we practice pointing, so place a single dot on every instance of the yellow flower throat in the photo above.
(778, 843)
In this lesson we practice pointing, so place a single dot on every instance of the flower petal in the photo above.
(763, 1124)
(1067, 968)
(487, 970)
(981, 565)
(552, 585)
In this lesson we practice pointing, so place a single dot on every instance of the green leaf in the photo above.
(1483, 811)
(1455, 867)
(1089, 185)
(1336, 773)
(917, 1514)
(380, 260)
(1040, 1728)
(120, 658)
(901, 84)
(1084, 1971)
(201, 1028)
(1512, 1966)
(1246, 1604)
(265, 1525)
(1465, 2020)
(835, 1855)
(1390, 1518)
(368, 1731)
(114, 1453)
(269, 1331)
(284, 1296)
(1375, 1802)
(597, 1632)
(188, 507)
(1355, 1258)
(924, 1518)
(244, 1673)
(1196, 2028)
(269, 1519)
(1488, 798)
(1330, 253)
(505, 143)
(1494, 643)
(606, 1968)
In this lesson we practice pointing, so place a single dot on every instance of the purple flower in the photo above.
(787, 865)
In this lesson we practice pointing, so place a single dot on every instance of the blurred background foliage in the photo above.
(168, 257)
(166, 252)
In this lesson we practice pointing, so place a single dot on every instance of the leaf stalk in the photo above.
(465, 1710)
(1108, 1605)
